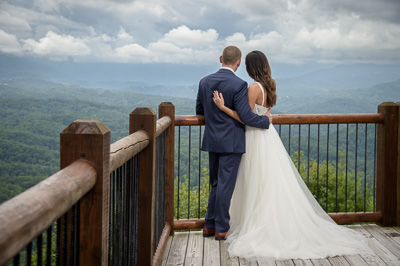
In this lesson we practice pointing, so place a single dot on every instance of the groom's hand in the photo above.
(268, 114)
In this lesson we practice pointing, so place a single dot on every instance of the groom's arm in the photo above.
(199, 104)
(244, 112)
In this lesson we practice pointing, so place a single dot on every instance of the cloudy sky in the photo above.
(195, 32)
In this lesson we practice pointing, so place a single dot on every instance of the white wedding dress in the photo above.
(272, 212)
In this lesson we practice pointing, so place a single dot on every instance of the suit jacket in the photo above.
(223, 134)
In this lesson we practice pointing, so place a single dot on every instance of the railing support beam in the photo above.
(168, 109)
(145, 119)
(388, 184)
(90, 140)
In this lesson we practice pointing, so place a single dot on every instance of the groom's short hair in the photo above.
(231, 55)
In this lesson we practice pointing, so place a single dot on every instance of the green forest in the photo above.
(34, 112)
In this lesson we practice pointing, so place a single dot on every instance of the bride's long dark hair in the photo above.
(258, 68)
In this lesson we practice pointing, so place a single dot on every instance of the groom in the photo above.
(224, 137)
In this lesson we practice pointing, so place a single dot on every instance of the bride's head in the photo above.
(258, 68)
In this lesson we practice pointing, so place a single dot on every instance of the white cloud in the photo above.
(9, 43)
(174, 31)
(46, 5)
(185, 37)
(13, 23)
(57, 46)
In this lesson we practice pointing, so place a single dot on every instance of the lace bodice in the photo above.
(259, 109)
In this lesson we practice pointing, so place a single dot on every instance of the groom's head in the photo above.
(231, 57)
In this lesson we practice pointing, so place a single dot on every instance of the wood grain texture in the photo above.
(90, 140)
(193, 120)
(162, 244)
(194, 251)
(387, 184)
(168, 110)
(27, 215)
(124, 149)
(145, 119)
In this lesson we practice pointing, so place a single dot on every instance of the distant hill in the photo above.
(342, 101)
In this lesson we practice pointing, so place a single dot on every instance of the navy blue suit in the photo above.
(224, 139)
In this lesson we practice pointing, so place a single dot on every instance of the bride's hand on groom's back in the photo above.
(268, 114)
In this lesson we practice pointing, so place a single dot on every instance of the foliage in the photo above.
(333, 194)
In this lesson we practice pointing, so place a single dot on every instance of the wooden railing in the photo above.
(387, 161)
(77, 198)
(83, 193)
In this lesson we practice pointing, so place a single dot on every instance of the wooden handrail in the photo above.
(28, 214)
(192, 120)
(124, 149)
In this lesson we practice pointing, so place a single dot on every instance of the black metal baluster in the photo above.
(72, 237)
(298, 151)
(199, 171)
(58, 242)
(29, 254)
(337, 162)
(327, 169)
(308, 158)
(190, 141)
(49, 244)
(39, 249)
(16, 260)
(179, 169)
(347, 157)
(280, 130)
(65, 233)
(374, 185)
(318, 164)
(78, 220)
(365, 169)
(290, 128)
(355, 172)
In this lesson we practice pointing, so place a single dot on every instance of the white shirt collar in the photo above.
(228, 68)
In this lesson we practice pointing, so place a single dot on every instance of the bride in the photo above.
(273, 214)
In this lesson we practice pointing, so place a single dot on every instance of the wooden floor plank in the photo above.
(303, 262)
(338, 261)
(266, 262)
(194, 251)
(321, 262)
(386, 241)
(186, 248)
(166, 251)
(285, 263)
(247, 262)
(211, 251)
(355, 260)
(178, 249)
(382, 255)
(390, 232)
(225, 258)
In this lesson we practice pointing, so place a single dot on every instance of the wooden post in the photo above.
(398, 168)
(387, 169)
(168, 109)
(90, 140)
(145, 119)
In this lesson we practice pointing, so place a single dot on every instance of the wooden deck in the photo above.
(190, 248)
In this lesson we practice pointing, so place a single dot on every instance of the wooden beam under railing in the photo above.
(339, 218)
(192, 120)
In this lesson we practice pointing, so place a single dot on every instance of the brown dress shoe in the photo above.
(208, 232)
(220, 236)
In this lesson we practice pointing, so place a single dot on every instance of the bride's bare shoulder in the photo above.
(254, 89)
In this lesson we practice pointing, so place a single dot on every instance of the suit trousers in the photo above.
(223, 169)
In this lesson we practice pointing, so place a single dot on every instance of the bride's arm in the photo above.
(219, 101)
